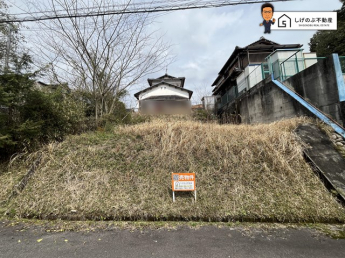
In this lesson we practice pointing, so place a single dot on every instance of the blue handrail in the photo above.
(342, 63)
(339, 129)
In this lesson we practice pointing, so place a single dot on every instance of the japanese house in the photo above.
(165, 95)
(240, 72)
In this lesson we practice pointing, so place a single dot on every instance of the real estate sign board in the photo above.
(183, 182)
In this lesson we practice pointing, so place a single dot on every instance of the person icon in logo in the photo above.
(267, 11)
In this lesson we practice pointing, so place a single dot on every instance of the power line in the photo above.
(98, 7)
(84, 25)
(151, 9)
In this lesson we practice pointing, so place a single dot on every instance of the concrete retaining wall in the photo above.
(266, 102)
(318, 84)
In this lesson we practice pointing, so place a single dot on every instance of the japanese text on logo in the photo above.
(305, 21)
(183, 182)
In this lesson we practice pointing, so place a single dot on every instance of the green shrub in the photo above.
(30, 117)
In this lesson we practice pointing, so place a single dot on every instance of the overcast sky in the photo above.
(203, 39)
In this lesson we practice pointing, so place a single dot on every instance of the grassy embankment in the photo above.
(245, 173)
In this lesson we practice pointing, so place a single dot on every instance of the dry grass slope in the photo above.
(246, 173)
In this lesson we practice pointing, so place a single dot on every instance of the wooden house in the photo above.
(233, 78)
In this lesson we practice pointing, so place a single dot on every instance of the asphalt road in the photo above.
(184, 242)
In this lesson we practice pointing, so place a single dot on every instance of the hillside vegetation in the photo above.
(246, 173)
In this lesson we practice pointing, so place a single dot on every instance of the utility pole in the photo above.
(8, 48)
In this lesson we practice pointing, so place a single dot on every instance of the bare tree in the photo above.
(200, 92)
(103, 54)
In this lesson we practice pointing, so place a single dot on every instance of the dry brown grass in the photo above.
(249, 173)
(11, 173)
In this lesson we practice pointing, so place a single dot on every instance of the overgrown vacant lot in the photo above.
(243, 173)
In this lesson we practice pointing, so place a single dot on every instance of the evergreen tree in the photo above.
(325, 42)
(10, 37)
(29, 116)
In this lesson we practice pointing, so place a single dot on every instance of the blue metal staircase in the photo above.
(318, 113)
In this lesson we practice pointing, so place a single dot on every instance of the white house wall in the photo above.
(285, 54)
(240, 78)
(255, 75)
(310, 62)
(241, 82)
(310, 55)
(252, 74)
(209, 103)
(163, 90)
